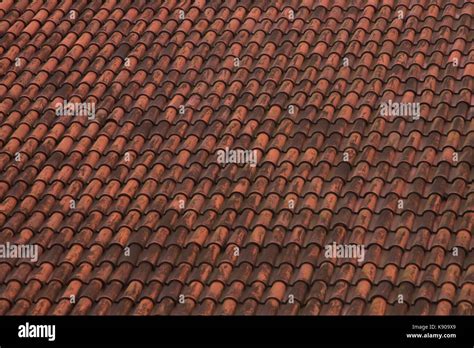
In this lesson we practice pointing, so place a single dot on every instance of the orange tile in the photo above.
(132, 207)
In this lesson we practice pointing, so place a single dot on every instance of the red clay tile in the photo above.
(134, 213)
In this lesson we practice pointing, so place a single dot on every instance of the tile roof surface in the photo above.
(134, 214)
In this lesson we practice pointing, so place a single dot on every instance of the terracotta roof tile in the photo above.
(135, 213)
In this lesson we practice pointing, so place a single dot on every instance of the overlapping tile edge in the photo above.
(132, 210)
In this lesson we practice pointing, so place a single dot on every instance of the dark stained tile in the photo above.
(133, 210)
